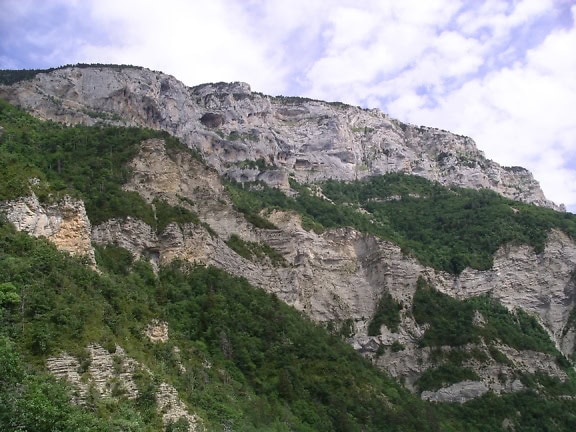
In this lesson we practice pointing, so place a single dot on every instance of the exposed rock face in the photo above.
(141, 242)
(157, 331)
(66, 367)
(341, 274)
(64, 223)
(323, 268)
(542, 283)
(172, 408)
(335, 277)
(112, 375)
(460, 392)
(228, 124)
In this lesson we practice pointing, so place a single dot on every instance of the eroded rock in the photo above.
(64, 223)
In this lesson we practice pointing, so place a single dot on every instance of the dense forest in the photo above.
(271, 368)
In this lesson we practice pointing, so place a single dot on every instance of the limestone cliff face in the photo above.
(336, 277)
(64, 223)
(543, 283)
(341, 274)
(229, 124)
(111, 374)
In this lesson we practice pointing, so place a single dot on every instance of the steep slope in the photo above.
(358, 285)
(359, 275)
(338, 277)
(250, 136)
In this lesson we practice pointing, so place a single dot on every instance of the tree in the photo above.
(8, 295)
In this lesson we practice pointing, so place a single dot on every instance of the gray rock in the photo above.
(312, 140)
(460, 392)
(334, 277)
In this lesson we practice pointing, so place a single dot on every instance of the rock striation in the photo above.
(111, 375)
(229, 125)
(64, 223)
(336, 277)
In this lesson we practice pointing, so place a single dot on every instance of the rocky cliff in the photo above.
(337, 277)
(63, 222)
(110, 373)
(251, 136)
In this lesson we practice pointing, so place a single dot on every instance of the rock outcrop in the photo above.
(336, 277)
(460, 392)
(64, 223)
(230, 125)
(111, 375)
(340, 275)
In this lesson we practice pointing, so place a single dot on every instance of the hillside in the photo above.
(192, 294)
(280, 136)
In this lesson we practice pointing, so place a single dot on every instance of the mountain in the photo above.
(442, 269)
(230, 125)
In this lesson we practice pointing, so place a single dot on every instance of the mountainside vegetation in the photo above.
(85, 162)
(250, 361)
(445, 228)
(270, 367)
(240, 358)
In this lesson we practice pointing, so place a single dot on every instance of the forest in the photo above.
(271, 367)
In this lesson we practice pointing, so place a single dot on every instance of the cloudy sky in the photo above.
(502, 72)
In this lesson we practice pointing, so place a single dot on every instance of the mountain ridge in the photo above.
(458, 294)
(296, 137)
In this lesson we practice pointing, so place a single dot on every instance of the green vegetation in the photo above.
(235, 136)
(548, 385)
(270, 368)
(87, 162)
(267, 361)
(451, 322)
(526, 411)
(33, 401)
(259, 164)
(255, 251)
(448, 229)
(387, 313)
(365, 130)
(165, 214)
(114, 259)
(443, 376)
(517, 329)
(102, 115)
(245, 360)
(291, 100)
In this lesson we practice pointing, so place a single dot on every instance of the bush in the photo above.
(387, 312)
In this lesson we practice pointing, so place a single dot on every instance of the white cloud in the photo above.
(499, 71)
(521, 115)
(498, 18)
(196, 41)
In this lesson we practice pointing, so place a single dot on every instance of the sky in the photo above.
(502, 72)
